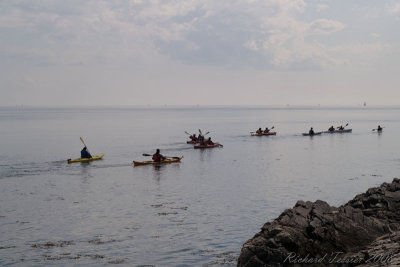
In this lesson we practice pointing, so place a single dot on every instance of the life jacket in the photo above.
(158, 157)
(85, 154)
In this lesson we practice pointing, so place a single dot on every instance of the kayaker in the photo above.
(379, 128)
(200, 137)
(311, 131)
(266, 130)
(158, 157)
(331, 129)
(341, 128)
(209, 142)
(85, 153)
(259, 131)
(193, 137)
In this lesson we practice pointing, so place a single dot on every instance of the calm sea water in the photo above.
(195, 213)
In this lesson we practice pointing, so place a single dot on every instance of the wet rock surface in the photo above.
(363, 232)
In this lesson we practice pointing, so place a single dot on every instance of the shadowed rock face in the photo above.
(315, 233)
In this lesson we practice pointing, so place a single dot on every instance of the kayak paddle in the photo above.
(83, 142)
(377, 129)
(148, 155)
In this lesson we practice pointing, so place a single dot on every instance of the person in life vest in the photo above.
(266, 130)
(158, 157)
(331, 129)
(193, 138)
(341, 128)
(259, 131)
(85, 153)
(200, 137)
(311, 131)
(209, 142)
(379, 128)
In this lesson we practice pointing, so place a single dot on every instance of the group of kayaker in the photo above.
(340, 128)
(260, 131)
(200, 140)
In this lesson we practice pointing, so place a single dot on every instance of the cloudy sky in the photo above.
(207, 52)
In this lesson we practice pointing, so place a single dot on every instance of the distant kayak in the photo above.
(168, 160)
(307, 134)
(261, 134)
(339, 131)
(209, 146)
(86, 159)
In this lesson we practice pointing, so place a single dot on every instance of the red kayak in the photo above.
(193, 142)
(209, 146)
(261, 134)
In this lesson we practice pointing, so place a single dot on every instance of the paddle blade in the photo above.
(187, 133)
(200, 132)
(147, 155)
(272, 127)
(83, 142)
(206, 133)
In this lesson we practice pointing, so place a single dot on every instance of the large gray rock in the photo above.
(315, 233)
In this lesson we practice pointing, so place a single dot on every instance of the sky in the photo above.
(199, 52)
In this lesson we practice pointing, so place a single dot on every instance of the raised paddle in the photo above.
(148, 155)
(187, 133)
(83, 142)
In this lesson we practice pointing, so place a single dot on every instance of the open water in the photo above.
(195, 213)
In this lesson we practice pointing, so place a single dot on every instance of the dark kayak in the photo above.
(307, 134)
(261, 134)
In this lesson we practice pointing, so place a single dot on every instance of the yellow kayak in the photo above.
(86, 159)
(169, 160)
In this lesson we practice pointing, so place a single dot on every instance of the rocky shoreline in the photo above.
(363, 232)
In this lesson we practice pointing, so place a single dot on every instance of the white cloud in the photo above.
(325, 26)
(263, 33)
